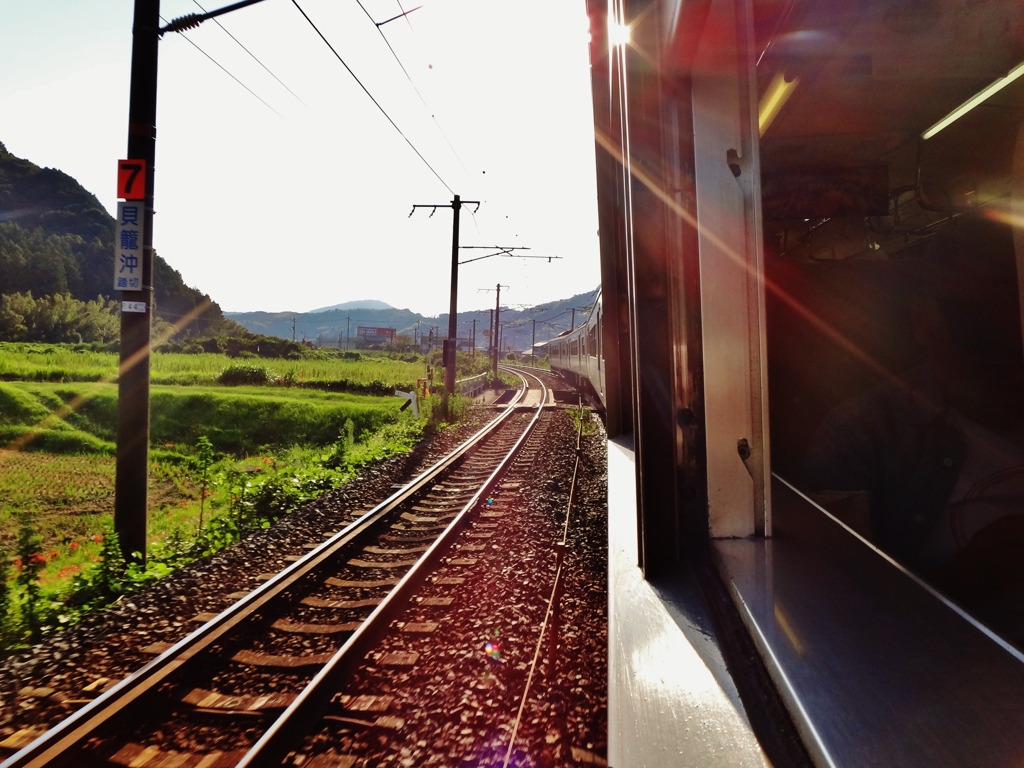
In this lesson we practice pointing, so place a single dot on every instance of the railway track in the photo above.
(245, 687)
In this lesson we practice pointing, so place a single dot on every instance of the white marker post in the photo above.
(410, 398)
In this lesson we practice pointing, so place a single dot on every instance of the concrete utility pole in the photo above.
(293, 327)
(348, 329)
(533, 339)
(131, 478)
(495, 343)
(472, 345)
(450, 343)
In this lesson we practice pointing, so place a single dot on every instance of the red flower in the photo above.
(97, 537)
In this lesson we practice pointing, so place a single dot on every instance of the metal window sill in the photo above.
(876, 667)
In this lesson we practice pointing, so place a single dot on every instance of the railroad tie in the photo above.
(357, 563)
(207, 700)
(139, 756)
(397, 551)
(345, 583)
(318, 602)
(255, 659)
(315, 629)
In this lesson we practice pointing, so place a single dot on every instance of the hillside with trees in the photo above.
(56, 239)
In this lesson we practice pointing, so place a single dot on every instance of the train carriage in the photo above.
(809, 356)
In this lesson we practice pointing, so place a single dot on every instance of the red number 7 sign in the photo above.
(131, 179)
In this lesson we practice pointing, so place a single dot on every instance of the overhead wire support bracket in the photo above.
(193, 20)
(393, 18)
(505, 252)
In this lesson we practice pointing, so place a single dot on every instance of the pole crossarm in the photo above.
(433, 208)
(193, 20)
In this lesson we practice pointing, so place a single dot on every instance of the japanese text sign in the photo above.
(128, 247)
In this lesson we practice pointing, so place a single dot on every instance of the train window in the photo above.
(866, 160)
(893, 314)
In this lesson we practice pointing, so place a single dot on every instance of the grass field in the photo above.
(82, 417)
(69, 500)
(271, 448)
(66, 363)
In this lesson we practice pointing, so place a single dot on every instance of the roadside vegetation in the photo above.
(227, 458)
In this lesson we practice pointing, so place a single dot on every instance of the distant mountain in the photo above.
(362, 304)
(56, 237)
(331, 327)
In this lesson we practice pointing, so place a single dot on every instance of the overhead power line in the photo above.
(405, 13)
(255, 58)
(224, 69)
(367, 92)
(409, 78)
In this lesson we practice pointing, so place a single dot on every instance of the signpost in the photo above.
(410, 399)
(128, 239)
(131, 179)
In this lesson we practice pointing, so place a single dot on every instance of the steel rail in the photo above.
(310, 705)
(54, 747)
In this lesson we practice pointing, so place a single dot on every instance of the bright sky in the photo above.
(310, 206)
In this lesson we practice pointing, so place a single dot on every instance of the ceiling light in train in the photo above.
(974, 101)
(774, 100)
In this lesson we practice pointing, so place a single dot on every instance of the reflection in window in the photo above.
(935, 455)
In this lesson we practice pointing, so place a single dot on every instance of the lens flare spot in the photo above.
(492, 650)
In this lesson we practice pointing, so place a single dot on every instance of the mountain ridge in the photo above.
(333, 327)
(56, 238)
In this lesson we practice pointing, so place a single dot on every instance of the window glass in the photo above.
(896, 369)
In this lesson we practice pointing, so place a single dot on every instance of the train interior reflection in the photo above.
(892, 252)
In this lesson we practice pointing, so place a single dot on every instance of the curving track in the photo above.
(262, 670)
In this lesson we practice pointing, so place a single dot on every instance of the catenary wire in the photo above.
(409, 78)
(250, 90)
(406, 15)
(255, 58)
(367, 92)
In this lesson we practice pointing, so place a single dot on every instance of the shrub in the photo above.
(241, 375)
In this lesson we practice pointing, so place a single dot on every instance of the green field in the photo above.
(271, 448)
(69, 363)
(82, 417)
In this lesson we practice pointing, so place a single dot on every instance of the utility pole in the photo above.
(348, 329)
(131, 481)
(572, 322)
(450, 344)
(293, 327)
(472, 346)
(339, 340)
(131, 478)
(495, 343)
(533, 339)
